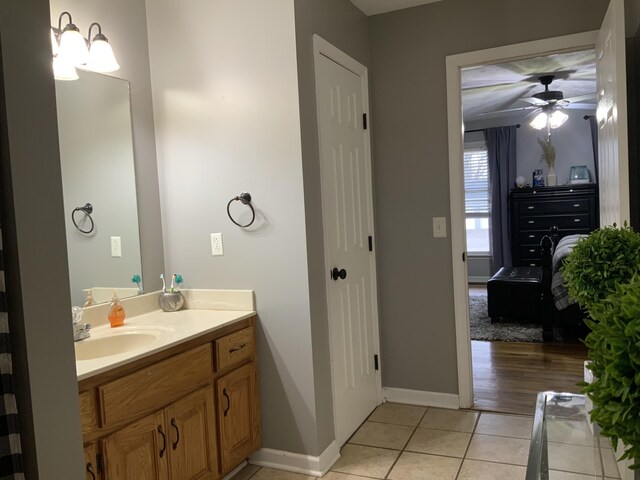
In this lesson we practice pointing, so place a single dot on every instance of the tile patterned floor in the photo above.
(404, 442)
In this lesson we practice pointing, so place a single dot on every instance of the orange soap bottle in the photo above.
(116, 312)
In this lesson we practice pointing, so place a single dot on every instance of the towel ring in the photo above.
(87, 210)
(245, 199)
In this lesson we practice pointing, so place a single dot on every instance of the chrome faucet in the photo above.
(80, 330)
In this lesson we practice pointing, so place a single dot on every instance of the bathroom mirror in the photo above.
(98, 178)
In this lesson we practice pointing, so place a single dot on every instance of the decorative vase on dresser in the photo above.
(551, 178)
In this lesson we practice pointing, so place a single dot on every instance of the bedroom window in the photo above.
(476, 194)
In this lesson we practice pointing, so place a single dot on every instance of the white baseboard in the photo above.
(419, 397)
(478, 279)
(296, 462)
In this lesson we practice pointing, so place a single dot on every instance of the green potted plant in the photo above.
(608, 256)
(614, 351)
(549, 157)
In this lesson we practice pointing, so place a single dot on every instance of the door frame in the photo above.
(455, 63)
(321, 47)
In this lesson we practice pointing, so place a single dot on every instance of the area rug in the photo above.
(504, 330)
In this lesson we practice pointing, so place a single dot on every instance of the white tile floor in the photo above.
(404, 442)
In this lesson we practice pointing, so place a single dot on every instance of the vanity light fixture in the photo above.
(73, 47)
(101, 57)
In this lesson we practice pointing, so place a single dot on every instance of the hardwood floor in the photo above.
(507, 376)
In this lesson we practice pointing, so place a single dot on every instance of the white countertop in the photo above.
(170, 329)
(173, 328)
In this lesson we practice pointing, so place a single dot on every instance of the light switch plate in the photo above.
(216, 245)
(439, 227)
(116, 247)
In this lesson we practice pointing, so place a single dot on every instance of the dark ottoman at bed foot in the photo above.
(515, 292)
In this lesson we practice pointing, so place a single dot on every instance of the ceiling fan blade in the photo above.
(581, 98)
(499, 112)
(534, 101)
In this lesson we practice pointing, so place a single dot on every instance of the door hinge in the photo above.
(375, 362)
(370, 243)
(364, 121)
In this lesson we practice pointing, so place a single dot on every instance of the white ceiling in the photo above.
(374, 7)
(492, 88)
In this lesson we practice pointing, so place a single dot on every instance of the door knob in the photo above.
(335, 273)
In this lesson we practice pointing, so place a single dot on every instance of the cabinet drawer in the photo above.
(564, 221)
(559, 206)
(153, 387)
(234, 348)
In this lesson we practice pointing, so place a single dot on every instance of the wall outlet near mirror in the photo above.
(116, 247)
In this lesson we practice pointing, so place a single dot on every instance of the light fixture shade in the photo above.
(63, 70)
(73, 47)
(101, 57)
(540, 121)
(557, 119)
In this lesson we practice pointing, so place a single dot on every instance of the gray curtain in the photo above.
(593, 123)
(501, 149)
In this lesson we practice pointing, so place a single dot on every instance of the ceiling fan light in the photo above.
(540, 121)
(557, 119)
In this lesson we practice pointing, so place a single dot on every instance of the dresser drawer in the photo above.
(561, 221)
(153, 387)
(530, 251)
(533, 207)
(235, 348)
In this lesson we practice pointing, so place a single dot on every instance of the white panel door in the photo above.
(347, 207)
(613, 148)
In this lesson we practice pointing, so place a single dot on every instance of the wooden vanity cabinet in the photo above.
(238, 415)
(190, 413)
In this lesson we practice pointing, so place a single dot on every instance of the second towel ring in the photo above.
(87, 210)
(245, 199)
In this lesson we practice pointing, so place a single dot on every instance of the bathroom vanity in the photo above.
(179, 398)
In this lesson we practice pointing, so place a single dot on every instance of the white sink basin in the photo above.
(114, 343)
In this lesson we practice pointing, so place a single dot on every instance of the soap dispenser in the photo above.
(116, 312)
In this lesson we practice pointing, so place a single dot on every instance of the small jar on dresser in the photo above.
(534, 211)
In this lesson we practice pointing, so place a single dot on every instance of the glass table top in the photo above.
(563, 440)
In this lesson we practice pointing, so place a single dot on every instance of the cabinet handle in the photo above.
(237, 349)
(576, 205)
(531, 221)
(577, 220)
(530, 207)
(90, 470)
(532, 236)
(224, 392)
(173, 424)
(164, 441)
(531, 250)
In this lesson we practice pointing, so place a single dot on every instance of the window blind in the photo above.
(476, 181)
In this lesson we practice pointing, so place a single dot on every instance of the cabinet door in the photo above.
(238, 415)
(91, 462)
(139, 451)
(191, 437)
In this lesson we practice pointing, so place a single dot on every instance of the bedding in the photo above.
(561, 296)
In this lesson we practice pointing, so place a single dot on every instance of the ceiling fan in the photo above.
(549, 103)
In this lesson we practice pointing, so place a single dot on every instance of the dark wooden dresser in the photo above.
(571, 208)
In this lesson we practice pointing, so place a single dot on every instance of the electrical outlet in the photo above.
(116, 247)
(216, 244)
(439, 227)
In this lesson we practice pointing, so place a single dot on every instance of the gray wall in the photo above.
(346, 27)
(572, 142)
(96, 150)
(227, 118)
(124, 23)
(35, 248)
(408, 51)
